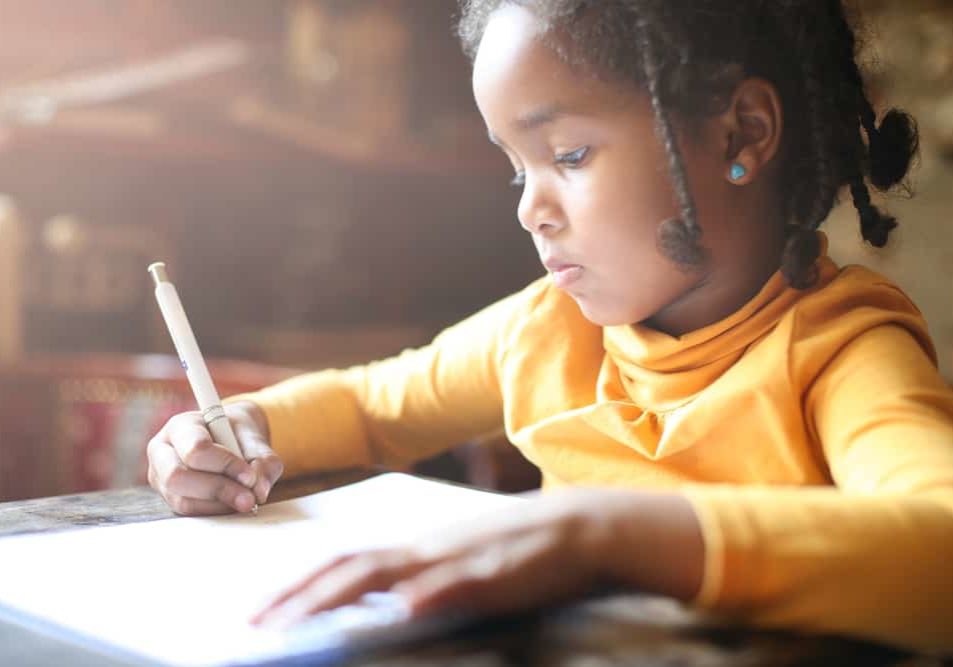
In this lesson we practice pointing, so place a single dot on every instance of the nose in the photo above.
(538, 211)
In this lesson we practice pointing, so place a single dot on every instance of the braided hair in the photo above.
(689, 55)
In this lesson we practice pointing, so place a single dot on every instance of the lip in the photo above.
(564, 273)
(555, 264)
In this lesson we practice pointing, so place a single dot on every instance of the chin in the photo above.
(605, 317)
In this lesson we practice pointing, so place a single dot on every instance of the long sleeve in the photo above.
(874, 556)
(397, 410)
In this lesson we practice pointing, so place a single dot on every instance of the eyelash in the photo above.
(570, 160)
(573, 159)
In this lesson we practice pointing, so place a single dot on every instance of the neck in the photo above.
(721, 290)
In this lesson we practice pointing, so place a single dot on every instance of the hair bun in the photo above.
(892, 148)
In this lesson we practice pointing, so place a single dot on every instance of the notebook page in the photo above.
(181, 590)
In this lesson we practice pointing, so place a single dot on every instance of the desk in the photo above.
(617, 630)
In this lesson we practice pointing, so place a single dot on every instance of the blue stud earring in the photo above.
(738, 171)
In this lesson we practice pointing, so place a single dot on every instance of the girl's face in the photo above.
(594, 175)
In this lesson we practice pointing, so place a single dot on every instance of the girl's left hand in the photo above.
(549, 549)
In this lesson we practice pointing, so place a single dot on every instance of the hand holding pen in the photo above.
(216, 460)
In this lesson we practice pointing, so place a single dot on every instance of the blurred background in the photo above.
(318, 181)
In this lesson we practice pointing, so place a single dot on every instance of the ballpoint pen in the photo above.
(192, 361)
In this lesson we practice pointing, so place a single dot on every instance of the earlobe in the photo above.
(755, 120)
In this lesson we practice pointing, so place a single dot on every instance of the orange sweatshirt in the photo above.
(810, 430)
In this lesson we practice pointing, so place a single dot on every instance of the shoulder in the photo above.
(855, 286)
(539, 301)
(854, 297)
(544, 320)
(511, 310)
(849, 303)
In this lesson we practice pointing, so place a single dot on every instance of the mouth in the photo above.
(564, 274)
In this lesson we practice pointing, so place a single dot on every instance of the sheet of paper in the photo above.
(180, 591)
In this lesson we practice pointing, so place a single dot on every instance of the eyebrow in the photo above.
(534, 119)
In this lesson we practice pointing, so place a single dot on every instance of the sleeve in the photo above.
(397, 410)
(873, 557)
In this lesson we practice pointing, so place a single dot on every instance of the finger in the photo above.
(447, 586)
(151, 473)
(162, 461)
(268, 469)
(175, 481)
(196, 507)
(262, 459)
(345, 585)
(193, 443)
(300, 586)
(197, 485)
(461, 581)
(496, 581)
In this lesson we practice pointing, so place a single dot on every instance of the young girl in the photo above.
(762, 433)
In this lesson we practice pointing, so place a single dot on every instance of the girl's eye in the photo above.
(519, 180)
(573, 159)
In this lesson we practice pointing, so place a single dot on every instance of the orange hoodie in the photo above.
(810, 430)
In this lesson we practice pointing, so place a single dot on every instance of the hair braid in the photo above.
(890, 148)
(678, 238)
(817, 179)
(875, 226)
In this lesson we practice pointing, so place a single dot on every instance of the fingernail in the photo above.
(260, 618)
(245, 500)
(248, 478)
(277, 620)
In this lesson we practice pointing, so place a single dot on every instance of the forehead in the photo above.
(515, 72)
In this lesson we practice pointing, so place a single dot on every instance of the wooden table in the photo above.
(614, 630)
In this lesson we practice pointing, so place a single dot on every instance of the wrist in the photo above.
(597, 521)
(656, 544)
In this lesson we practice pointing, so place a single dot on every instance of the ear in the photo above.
(752, 127)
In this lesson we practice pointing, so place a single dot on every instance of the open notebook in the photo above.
(180, 591)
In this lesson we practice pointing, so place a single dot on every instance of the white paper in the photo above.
(181, 590)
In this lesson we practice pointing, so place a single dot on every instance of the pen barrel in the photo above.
(194, 364)
(222, 433)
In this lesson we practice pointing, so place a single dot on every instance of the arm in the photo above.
(549, 549)
(871, 558)
(397, 410)
(387, 412)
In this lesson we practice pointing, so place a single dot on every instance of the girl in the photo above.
(768, 433)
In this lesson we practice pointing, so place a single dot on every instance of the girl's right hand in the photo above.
(197, 476)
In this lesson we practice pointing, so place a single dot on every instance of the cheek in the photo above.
(622, 210)
(637, 182)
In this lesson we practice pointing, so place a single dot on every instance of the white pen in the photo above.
(192, 361)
